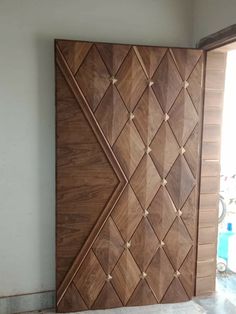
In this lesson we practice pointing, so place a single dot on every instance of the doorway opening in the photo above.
(226, 246)
(216, 265)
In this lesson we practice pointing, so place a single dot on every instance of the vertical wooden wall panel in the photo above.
(210, 173)
(128, 142)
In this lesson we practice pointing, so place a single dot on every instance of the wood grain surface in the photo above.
(128, 138)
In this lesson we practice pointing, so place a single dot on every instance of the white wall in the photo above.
(211, 16)
(27, 174)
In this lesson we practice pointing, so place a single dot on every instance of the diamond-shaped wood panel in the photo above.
(108, 246)
(186, 60)
(142, 295)
(159, 274)
(164, 149)
(195, 85)
(162, 213)
(127, 213)
(74, 53)
(129, 148)
(93, 78)
(192, 151)
(186, 274)
(183, 117)
(175, 293)
(180, 173)
(112, 114)
(189, 214)
(151, 58)
(178, 243)
(73, 300)
(125, 276)
(113, 55)
(90, 279)
(148, 116)
(167, 82)
(131, 80)
(145, 181)
(108, 298)
(127, 174)
(144, 239)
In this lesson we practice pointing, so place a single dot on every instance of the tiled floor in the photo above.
(222, 302)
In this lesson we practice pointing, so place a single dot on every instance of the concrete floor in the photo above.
(179, 308)
(222, 302)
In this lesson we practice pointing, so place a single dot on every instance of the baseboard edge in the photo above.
(27, 302)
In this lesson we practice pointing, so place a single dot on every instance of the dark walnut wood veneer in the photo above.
(128, 139)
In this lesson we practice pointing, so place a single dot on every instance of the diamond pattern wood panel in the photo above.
(144, 239)
(108, 246)
(93, 78)
(112, 114)
(148, 116)
(128, 139)
(131, 80)
(160, 273)
(125, 276)
(183, 117)
(145, 181)
(167, 82)
(90, 279)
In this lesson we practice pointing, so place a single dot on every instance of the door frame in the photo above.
(218, 39)
(216, 47)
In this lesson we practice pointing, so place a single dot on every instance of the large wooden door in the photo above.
(128, 138)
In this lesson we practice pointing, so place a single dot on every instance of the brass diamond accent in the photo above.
(143, 275)
(163, 182)
(127, 245)
(176, 274)
(131, 116)
(185, 84)
(182, 150)
(109, 277)
(113, 80)
(166, 117)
